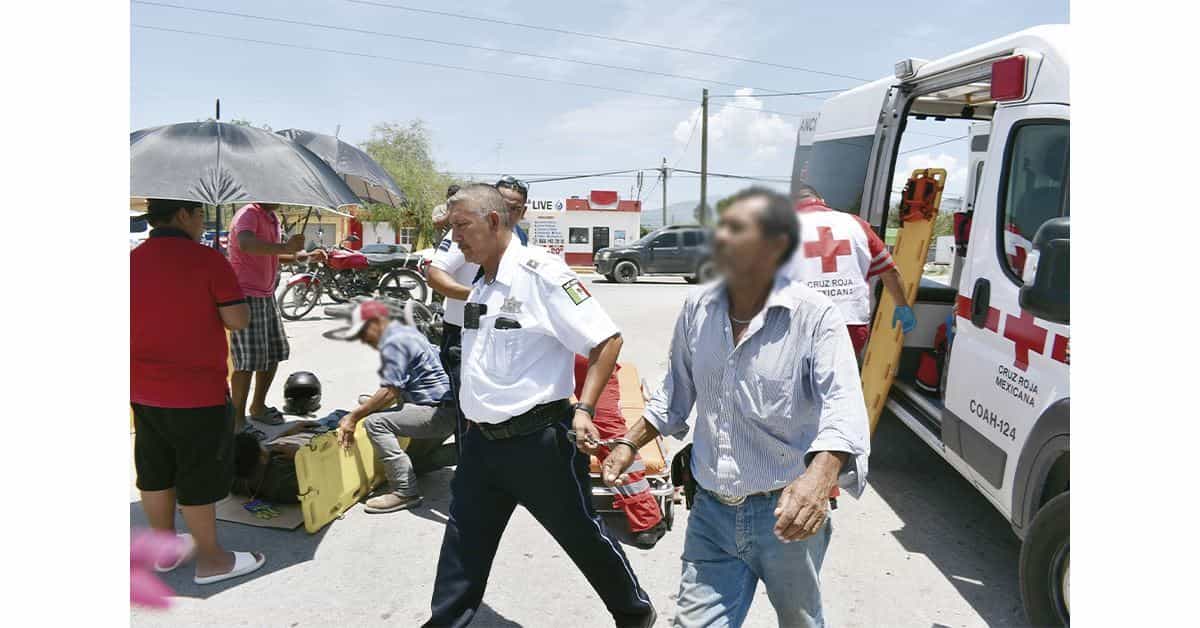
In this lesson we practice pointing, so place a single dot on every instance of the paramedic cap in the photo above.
(363, 313)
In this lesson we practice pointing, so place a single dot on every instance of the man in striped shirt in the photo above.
(780, 421)
(839, 254)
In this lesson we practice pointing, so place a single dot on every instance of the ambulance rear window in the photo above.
(838, 170)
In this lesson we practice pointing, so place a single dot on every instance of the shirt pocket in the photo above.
(503, 351)
(766, 399)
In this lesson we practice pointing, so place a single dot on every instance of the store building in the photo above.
(577, 227)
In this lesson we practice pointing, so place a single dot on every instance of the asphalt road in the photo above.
(921, 548)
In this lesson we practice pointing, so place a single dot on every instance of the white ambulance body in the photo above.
(1002, 416)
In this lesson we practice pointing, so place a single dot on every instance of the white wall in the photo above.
(377, 232)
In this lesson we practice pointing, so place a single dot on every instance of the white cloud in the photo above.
(956, 170)
(741, 129)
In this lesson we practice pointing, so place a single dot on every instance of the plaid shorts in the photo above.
(262, 344)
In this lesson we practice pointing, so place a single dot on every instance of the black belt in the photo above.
(530, 421)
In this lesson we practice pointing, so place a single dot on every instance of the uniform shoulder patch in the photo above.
(444, 245)
(575, 290)
(532, 264)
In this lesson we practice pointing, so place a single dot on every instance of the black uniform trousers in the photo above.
(549, 477)
(452, 364)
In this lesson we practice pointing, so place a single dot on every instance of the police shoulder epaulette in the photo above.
(546, 267)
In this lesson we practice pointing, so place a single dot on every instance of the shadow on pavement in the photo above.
(948, 521)
(283, 549)
(657, 281)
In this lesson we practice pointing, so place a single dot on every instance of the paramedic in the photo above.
(839, 254)
(524, 321)
(780, 416)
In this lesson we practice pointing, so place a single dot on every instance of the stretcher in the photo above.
(331, 479)
(654, 453)
(918, 207)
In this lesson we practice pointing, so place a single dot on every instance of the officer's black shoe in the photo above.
(647, 539)
(645, 621)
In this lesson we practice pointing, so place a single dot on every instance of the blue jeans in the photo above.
(728, 549)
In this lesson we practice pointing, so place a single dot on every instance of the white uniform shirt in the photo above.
(505, 372)
(450, 259)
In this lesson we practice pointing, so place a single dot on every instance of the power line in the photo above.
(363, 31)
(913, 150)
(775, 93)
(632, 42)
(442, 66)
(583, 176)
(722, 175)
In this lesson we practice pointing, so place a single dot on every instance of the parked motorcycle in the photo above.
(347, 274)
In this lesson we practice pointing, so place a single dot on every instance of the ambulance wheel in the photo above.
(1046, 565)
(625, 272)
(668, 512)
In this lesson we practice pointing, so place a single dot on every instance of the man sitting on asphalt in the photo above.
(413, 401)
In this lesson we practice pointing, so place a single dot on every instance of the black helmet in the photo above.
(301, 393)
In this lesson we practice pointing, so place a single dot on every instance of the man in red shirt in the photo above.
(255, 249)
(182, 298)
(839, 254)
(634, 497)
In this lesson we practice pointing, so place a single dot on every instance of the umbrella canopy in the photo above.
(217, 163)
(363, 174)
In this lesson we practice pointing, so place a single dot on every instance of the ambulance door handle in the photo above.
(981, 298)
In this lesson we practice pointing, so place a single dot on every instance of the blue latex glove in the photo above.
(908, 320)
(950, 329)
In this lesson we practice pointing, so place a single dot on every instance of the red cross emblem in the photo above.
(827, 249)
(1026, 336)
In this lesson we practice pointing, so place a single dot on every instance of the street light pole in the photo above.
(704, 158)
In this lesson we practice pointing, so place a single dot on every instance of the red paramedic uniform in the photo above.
(838, 256)
(633, 498)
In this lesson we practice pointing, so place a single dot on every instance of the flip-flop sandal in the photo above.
(183, 557)
(271, 417)
(243, 563)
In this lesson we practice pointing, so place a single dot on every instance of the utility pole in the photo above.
(704, 157)
(664, 187)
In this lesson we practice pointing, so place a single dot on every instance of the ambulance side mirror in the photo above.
(1047, 290)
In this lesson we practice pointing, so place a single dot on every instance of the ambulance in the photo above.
(999, 411)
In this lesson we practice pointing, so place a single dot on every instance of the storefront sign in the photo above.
(544, 205)
(546, 231)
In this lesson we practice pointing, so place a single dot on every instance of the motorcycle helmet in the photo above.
(301, 393)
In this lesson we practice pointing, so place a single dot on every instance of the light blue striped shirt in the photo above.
(788, 390)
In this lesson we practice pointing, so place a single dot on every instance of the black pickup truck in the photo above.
(680, 250)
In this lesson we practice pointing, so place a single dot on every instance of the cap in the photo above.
(362, 314)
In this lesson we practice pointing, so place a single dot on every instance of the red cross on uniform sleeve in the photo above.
(827, 249)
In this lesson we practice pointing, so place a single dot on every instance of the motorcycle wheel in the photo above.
(404, 284)
(298, 300)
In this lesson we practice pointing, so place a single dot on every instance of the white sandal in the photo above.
(243, 563)
(183, 557)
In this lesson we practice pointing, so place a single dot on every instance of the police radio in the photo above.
(472, 313)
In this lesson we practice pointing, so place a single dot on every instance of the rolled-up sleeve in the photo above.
(669, 407)
(843, 424)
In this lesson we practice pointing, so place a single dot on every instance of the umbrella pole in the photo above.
(304, 228)
(217, 231)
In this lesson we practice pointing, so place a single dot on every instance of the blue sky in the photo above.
(483, 123)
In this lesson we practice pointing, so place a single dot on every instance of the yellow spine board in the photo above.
(883, 349)
(331, 479)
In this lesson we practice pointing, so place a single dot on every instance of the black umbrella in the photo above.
(362, 173)
(217, 163)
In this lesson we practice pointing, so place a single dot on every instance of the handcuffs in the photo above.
(609, 443)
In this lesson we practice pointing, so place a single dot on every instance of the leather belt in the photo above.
(528, 422)
(730, 500)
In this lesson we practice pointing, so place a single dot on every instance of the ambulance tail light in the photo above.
(1008, 79)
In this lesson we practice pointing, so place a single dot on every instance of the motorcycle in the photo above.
(346, 274)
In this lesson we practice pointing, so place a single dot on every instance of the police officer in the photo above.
(525, 319)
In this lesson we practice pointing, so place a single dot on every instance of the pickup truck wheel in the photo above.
(1046, 565)
(625, 272)
(611, 278)
(706, 273)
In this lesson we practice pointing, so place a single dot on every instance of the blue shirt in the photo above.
(410, 364)
(766, 406)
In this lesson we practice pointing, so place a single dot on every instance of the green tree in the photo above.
(405, 151)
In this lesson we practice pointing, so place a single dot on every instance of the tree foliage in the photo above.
(405, 151)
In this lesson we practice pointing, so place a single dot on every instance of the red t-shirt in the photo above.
(609, 403)
(177, 347)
